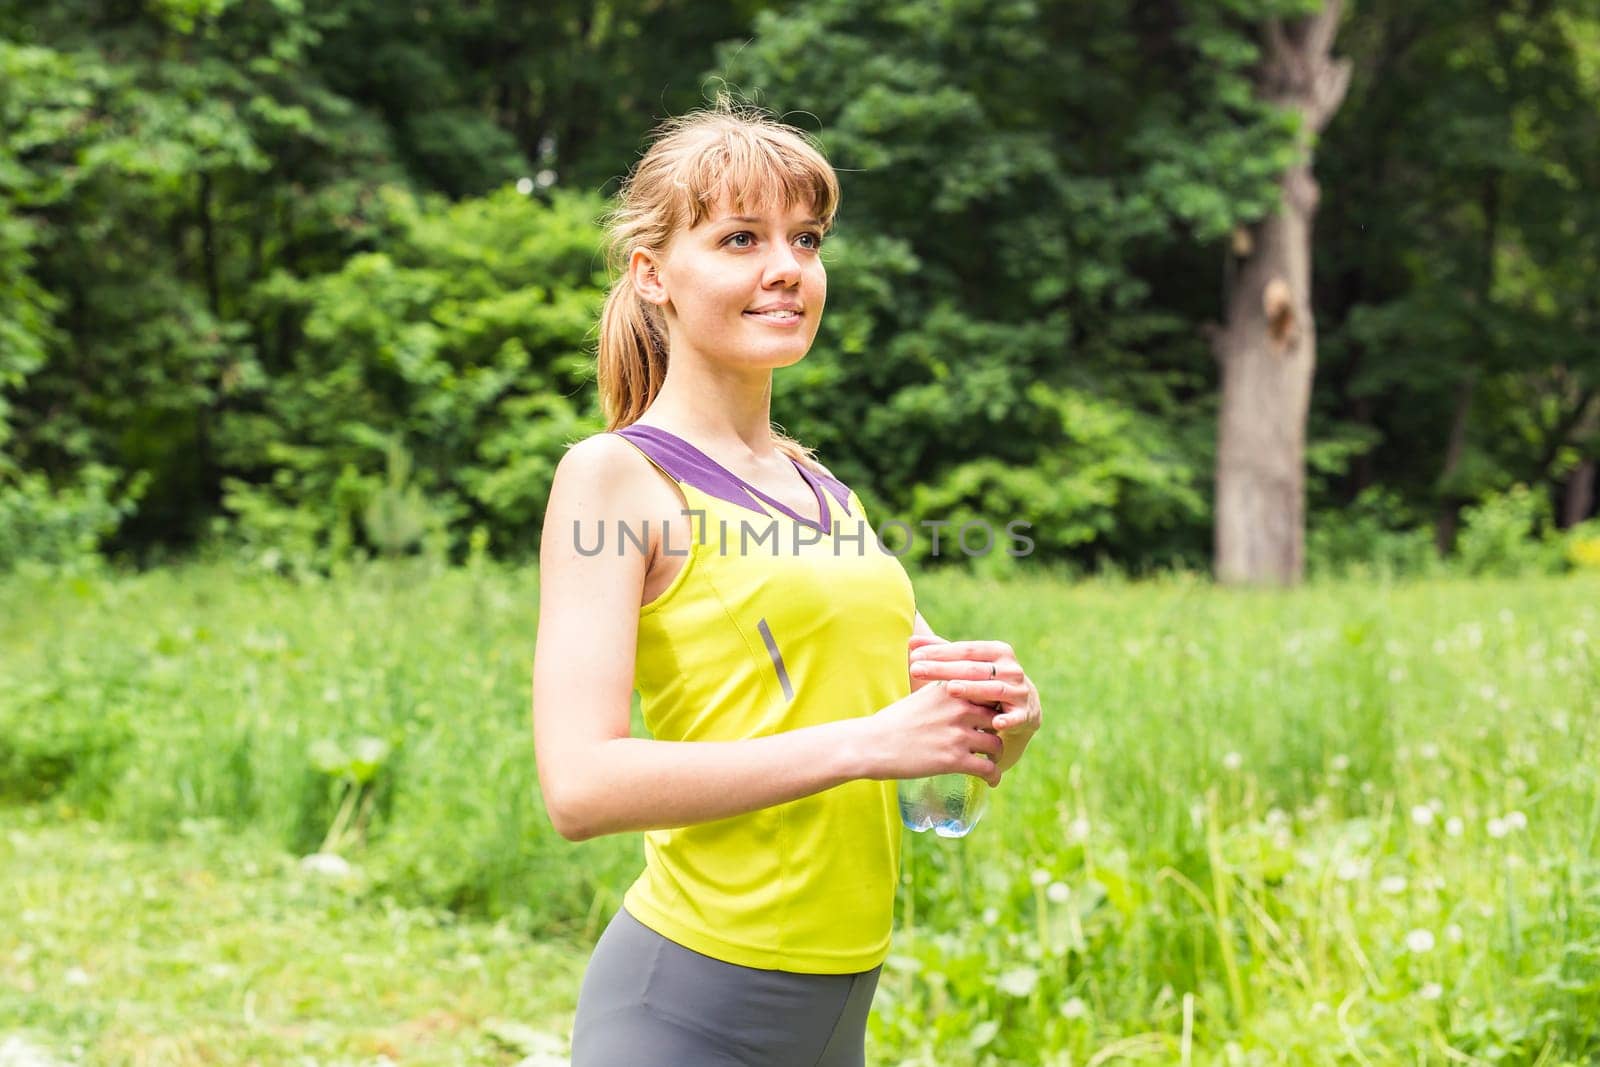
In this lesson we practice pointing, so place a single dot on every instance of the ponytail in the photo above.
(632, 357)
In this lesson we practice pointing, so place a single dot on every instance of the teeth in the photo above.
(776, 314)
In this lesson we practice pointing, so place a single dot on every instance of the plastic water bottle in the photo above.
(948, 804)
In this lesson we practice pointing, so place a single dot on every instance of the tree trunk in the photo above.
(1578, 500)
(1444, 524)
(1267, 350)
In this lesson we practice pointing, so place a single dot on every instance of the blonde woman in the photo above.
(712, 563)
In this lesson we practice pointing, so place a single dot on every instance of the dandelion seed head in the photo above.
(1074, 1008)
(1496, 828)
(1453, 933)
(1232, 761)
(1515, 820)
(1431, 991)
(1059, 892)
(1340, 763)
(1393, 884)
(1078, 829)
(524, 186)
(991, 916)
(1419, 941)
(1454, 826)
(1040, 877)
(1422, 815)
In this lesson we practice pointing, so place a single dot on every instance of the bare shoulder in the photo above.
(603, 477)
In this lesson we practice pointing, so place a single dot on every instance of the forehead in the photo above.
(728, 211)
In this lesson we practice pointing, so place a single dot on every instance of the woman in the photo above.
(697, 555)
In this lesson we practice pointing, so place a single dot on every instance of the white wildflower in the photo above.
(1419, 941)
(1516, 821)
(1422, 815)
(1393, 884)
(326, 863)
(1349, 870)
(1454, 826)
(1040, 877)
(524, 186)
(1431, 991)
(1232, 761)
(1019, 981)
(1428, 750)
(1453, 933)
(1059, 892)
(1078, 829)
(1496, 828)
(1340, 763)
(991, 916)
(1074, 1008)
(76, 976)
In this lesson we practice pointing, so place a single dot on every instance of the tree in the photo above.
(1267, 349)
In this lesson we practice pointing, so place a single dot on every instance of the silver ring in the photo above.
(992, 672)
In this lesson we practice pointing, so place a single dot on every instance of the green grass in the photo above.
(1350, 824)
(215, 948)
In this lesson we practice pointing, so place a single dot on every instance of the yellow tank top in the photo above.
(775, 622)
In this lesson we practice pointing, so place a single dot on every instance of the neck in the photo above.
(717, 406)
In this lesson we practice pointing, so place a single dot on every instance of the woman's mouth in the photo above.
(777, 316)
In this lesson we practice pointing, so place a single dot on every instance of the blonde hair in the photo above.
(724, 153)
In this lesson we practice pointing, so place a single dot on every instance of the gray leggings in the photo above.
(649, 1002)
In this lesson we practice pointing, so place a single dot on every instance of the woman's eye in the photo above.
(740, 240)
(812, 241)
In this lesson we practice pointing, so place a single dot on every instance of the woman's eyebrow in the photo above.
(753, 218)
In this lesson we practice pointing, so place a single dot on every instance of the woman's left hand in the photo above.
(984, 672)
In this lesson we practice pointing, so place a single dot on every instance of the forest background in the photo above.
(301, 282)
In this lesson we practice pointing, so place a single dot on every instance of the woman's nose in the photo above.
(783, 268)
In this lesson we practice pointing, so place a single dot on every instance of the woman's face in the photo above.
(742, 289)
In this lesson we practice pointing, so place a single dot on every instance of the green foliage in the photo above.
(462, 346)
(1375, 535)
(225, 263)
(66, 526)
(1508, 534)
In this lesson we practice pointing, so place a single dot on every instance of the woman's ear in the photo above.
(645, 274)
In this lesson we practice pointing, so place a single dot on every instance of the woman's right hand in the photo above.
(932, 732)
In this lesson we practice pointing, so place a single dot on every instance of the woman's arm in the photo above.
(595, 778)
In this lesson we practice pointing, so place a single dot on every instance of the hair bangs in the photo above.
(753, 170)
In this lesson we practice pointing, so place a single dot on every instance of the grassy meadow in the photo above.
(1354, 824)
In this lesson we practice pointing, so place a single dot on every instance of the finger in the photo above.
(975, 650)
(953, 669)
(1018, 718)
(988, 744)
(988, 770)
(922, 640)
(987, 691)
